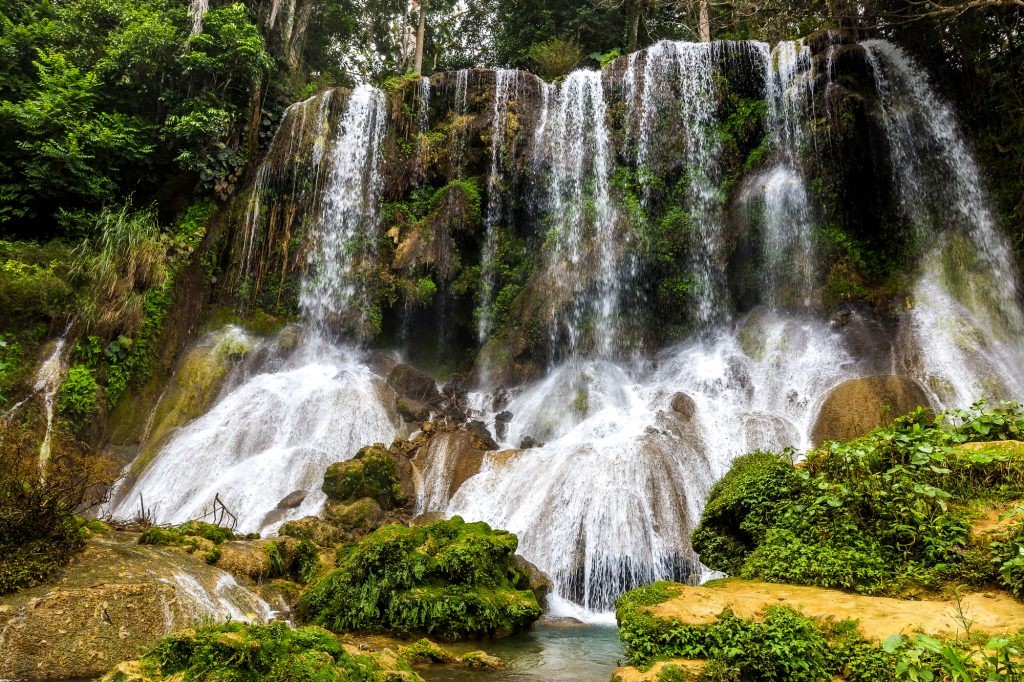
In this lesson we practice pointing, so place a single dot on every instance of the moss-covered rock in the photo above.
(373, 473)
(448, 579)
(269, 653)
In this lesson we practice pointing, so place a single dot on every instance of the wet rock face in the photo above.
(855, 407)
(116, 599)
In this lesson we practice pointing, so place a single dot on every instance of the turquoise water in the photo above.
(548, 653)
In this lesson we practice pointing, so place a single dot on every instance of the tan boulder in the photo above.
(855, 407)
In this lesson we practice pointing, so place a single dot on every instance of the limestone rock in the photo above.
(539, 583)
(855, 407)
(115, 600)
(480, 436)
(313, 529)
(683, 405)
(529, 442)
(412, 384)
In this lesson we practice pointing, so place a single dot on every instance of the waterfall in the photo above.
(48, 381)
(582, 243)
(278, 426)
(788, 271)
(505, 83)
(678, 90)
(423, 104)
(197, 9)
(459, 128)
(609, 502)
(964, 332)
(332, 297)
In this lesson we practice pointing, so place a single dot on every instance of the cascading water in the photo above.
(678, 89)
(48, 380)
(276, 432)
(610, 501)
(787, 244)
(582, 246)
(965, 333)
(332, 297)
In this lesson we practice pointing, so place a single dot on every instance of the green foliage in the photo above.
(78, 393)
(555, 57)
(371, 473)
(782, 644)
(883, 513)
(107, 95)
(264, 653)
(448, 579)
(34, 282)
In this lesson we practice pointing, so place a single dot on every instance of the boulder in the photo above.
(529, 442)
(683, 405)
(537, 581)
(855, 407)
(314, 529)
(355, 519)
(480, 436)
(501, 422)
(412, 384)
(374, 472)
(292, 500)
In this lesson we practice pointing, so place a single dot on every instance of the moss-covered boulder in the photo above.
(448, 579)
(855, 407)
(269, 653)
(374, 473)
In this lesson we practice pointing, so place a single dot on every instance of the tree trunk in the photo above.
(421, 33)
(704, 21)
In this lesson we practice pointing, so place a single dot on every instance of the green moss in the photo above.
(179, 535)
(265, 653)
(371, 473)
(448, 579)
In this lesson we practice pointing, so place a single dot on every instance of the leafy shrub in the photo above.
(266, 653)
(883, 513)
(78, 392)
(450, 579)
(556, 57)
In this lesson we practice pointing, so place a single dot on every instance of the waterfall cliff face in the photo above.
(655, 268)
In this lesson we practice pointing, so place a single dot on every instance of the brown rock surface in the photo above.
(855, 407)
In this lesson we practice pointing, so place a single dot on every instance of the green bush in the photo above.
(886, 512)
(179, 535)
(78, 393)
(449, 579)
(556, 57)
